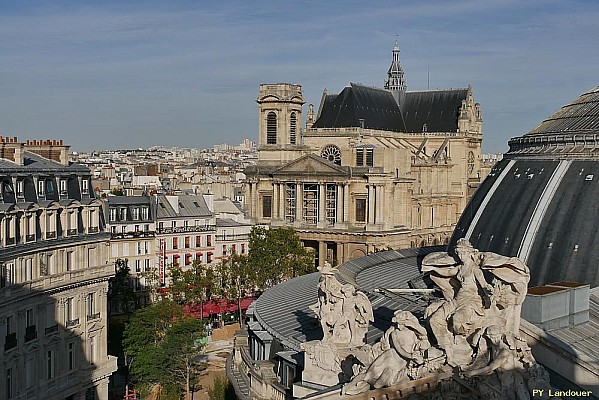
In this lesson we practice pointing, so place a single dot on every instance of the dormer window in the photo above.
(135, 213)
(41, 185)
(63, 187)
(145, 213)
(112, 215)
(123, 213)
(85, 186)
(20, 190)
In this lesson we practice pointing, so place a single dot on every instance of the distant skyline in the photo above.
(111, 74)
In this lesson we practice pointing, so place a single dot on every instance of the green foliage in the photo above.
(193, 285)
(160, 345)
(117, 192)
(221, 389)
(277, 254)
(121, 295)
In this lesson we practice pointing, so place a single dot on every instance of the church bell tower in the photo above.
(280, 114)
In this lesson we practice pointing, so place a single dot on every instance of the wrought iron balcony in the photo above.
(72, 323)
(93, 316)
(10, 341)
(30, 333)
(51, 329)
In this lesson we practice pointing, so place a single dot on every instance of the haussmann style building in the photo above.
(54, 273)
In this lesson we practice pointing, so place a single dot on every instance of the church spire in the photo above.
(395, 80)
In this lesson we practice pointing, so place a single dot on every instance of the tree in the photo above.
(121, 294)
(178, 351)
(277, 254)
(160, 346)
(194, 285)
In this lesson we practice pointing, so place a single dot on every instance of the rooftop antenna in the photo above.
(428, 77)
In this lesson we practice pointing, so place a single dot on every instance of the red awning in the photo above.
(217, 307)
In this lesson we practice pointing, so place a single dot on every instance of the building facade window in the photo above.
(145, 213)
(175, 243)
(292, 128)
(290, 201)
(9, 384)
(85, 186)
(369, 157)
(135, 213)
(71, 356)
(271, 128)
(310, 203)
(50, 364)
(267, 206)
(187, 242)
(209, 240)
(360, 210)
(40, 187)
(331, 203)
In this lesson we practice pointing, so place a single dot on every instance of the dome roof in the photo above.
(573, 129)
(541, 202)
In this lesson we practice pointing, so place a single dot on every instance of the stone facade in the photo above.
(54, 275)
(355, 184)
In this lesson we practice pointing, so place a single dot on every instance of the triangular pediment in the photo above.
(312, 165)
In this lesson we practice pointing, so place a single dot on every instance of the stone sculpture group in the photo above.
(472, 331)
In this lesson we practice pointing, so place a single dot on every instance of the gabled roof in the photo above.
(438, 109)
(376, 107)
(311, 164)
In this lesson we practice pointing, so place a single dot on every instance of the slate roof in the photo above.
(581, 115)
(438, 109)
(187, 206)
(542, 204)
(33, 163)
(376, 107)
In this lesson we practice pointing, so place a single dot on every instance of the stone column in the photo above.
(299, 201)
(321, 202)
(341, 253)
(275, 201)
(346, 202)
(339, 204)
(322, 253)
(282, 187)
(371, 207)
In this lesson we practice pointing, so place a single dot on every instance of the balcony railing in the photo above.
(224, 238)
(10, 341)
(73, 322)
(30, 238)
(51, 329)
(51, 235)
(91, 317)
(30, 333)
(71, 232)
(93, 229)
(185, 229)
(133, 235)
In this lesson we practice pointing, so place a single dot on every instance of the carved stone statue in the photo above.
(470, 301)
(402, 353)
(471, 332)
(344, 314)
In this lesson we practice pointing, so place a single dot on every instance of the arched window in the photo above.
(292, 128)
(271, 128)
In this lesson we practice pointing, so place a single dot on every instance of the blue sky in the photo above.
(128, 74)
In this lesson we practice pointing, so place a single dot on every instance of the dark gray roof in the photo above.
(188, 206)
(33, 163)
(437, 109)
(376, 107)
(571, 130)
(541, 202)
(129, 200)
(581, 115)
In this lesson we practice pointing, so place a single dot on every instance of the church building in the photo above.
(373, 169)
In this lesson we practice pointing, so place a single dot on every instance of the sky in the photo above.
(134, 74)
